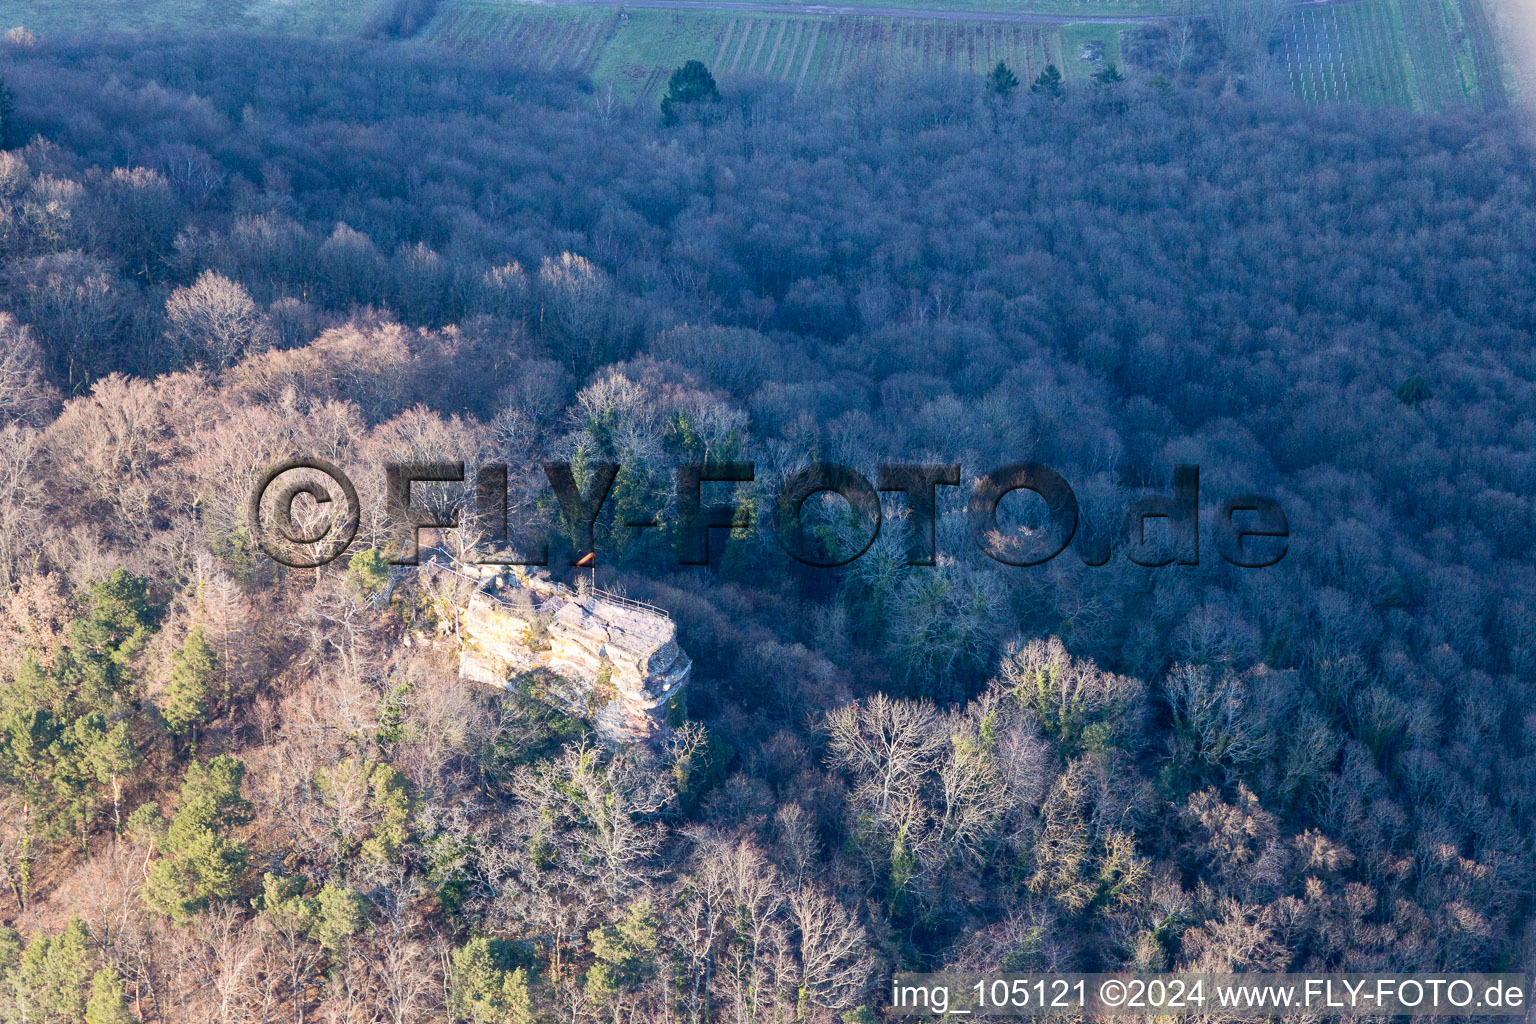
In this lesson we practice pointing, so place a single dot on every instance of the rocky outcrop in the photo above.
(602, 656)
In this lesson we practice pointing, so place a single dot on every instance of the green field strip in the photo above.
(578, 44)
(881, 46)
(1384, 72)
(869, 36)
(1456, 35)
(1455, 38)
(832, 68)
(461, 28)
(754, 37)
(524, 42)
(826, 53)
(586, 42)
(527, 40)
(794, 50)
(1328, 56)
(725, 41)
(541, 46)
(479, 27)
(1340, 56)
(762, 40)
(605, 29)
(1428, 55)
(642, 49)
(779, 66)
(1318, 52)
(1317, 47)
(797, 46)
(1291, 54)
(1487, 62)
(1390, 56)
(1380, 86)
(1309, 84)
(773, 53)
(1350, 25)
(741, 44)
(563, 37)
(758, 36)
(1303, 76)
(830, 65)
(810, 52)
(1288, 50)
(1398, 29)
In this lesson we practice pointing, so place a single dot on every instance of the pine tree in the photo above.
(107, 1005)
(1108, 75)
(340, 913)
(393, 805)
(121, 618)
(485, 987)
(65, 741)
(201, 862)
(192, 670)
(1048, 83)
(367, 572)
(110, 753)
(691, 83)
(1002, 81)
(51, 980)
(625, 953)
(1413, 390)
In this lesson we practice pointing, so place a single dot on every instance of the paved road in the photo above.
(755, 7)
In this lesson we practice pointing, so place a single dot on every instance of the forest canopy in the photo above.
(232, 790)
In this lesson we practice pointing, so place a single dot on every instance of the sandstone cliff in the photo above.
(602, 656)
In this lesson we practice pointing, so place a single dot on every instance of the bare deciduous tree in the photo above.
(836, 967)
(214, 319)
(1243, 26)
(21, 510)
(887, 745)
(25, 393)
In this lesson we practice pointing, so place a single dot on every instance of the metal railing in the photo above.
(561, 589)
(626, 602)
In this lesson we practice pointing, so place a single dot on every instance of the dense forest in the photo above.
(234, 792)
